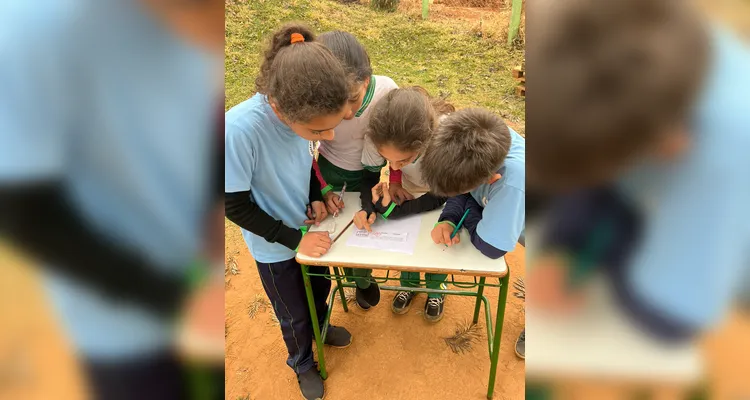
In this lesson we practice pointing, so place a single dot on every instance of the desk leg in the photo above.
(338, 273)
(502, 297)
(314, 316)
(478, 304)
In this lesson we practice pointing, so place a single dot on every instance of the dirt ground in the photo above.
(391, 357)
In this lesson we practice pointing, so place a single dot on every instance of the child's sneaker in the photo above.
(369, 297)
(402, 302)
(433, 308)
(338, 337)
(311, 384)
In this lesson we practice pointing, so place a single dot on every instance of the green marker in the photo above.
(458, 226)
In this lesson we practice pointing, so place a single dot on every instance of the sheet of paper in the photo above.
(327, 225)
(398, 235)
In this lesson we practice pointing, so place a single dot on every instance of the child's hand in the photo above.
(333, 204)
(362, 222)
(441, 234)
(548, 286)
(201, 334)
(381, 190)
(314, 244)
(398, 193)
(316, 212)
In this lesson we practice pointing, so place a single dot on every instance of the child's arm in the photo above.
(70, 245)
(502, 219)
(454, 209)
(369, 180)
(573, 217)
(471, 223)
(372, 165)
(325, 187)
(241, 210)
(424, 203)
(316, 183)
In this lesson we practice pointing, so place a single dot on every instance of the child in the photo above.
(668, 145)
(400, 127)
(302, 95)
(340, 159)
(474, 157)
(108, 190)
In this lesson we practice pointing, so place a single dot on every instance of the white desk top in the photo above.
(461, 259)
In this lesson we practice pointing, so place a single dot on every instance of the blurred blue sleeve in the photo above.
(695, 245)
(34, 101)
(239, 159)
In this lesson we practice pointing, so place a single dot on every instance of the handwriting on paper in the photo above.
(382, 236)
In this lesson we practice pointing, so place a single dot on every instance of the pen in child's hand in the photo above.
(458, 226)
(310, 213)
(341, 197)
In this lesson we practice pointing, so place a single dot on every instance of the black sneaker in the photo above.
(369, 297)
(433, 308)
(521, 345)
(338, 337)
(311, 384)
(361, 302)
(402, 302)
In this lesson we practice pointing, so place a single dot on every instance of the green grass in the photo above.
(443, 57)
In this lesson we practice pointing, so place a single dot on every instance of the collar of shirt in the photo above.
(283, 129)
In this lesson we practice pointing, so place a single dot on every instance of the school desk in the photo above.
(459, 260)
(599, 347)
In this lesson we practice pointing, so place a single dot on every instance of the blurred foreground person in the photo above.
(640, 121)
(110, 165)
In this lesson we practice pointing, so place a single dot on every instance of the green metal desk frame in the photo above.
(493, 337)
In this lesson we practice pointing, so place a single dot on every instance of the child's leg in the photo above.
(435, 281)
(285, 288)
(359, 276)
(406, 276)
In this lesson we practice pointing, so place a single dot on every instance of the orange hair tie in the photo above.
(297, 37)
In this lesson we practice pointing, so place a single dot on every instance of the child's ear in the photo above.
(674, 145)
(275, 110)
(494, 179)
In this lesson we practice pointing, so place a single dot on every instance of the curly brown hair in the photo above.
(405, 118)
(302, 79)
(464, 152)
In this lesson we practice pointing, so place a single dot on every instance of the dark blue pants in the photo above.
(160, 377)
(285, 288)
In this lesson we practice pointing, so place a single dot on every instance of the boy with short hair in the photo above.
(661, 149)
(476, 158)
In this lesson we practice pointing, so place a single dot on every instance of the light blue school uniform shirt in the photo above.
(696, 242)
(504, 201)
(96, 95)
(267, 158)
